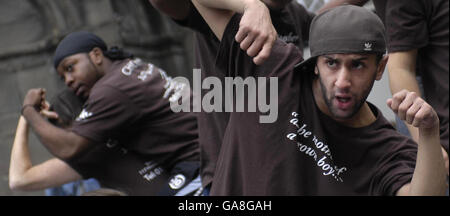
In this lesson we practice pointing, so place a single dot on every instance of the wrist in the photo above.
(430, 131)
(250, 4)
(26, 106)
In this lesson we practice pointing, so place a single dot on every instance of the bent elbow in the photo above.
(67, 154)
(16, 185)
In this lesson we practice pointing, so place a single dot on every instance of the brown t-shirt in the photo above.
(115, 167)
(292, 24)
(130, 104)
(304, 152)
(423, 25)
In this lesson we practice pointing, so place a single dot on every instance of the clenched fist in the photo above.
(256, 33)
(413, 110)
(35, 98)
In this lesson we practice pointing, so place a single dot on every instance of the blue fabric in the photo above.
(75, 188)
(194, 185)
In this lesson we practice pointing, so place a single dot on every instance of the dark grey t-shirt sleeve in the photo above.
(406, 25)
(394, 170)
(106, 113)
(194, 21)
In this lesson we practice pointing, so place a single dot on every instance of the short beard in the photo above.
(356, 107)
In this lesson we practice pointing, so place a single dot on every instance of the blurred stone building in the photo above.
(30, 31)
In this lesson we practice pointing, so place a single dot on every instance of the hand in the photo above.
(45, 111)
(36, 98)
(256, 32)
(413, 110)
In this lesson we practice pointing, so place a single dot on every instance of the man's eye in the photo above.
(358, 65)
(69, 68)
(331, 63)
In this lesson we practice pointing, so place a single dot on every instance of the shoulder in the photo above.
(299, 10)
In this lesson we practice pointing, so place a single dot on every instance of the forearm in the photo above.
(237, 6)
(429, 177)
(402, 75)
(20, 160)
(61, 143)
(400, 79)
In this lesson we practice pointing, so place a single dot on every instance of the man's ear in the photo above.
(381, 67)
(96, 56)
(316, 66)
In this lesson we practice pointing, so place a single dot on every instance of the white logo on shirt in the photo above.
(83, 115)
(131, 65)
(290, 38)
(177, 182)
(368, 46)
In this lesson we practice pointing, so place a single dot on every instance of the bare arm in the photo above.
(335, 3)
(402, 75)
(176, 9)
(24, 176)
(429, 178)
(61, 143)
(256, 33)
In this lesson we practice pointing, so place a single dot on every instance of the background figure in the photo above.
(418, 45)
(114, 166)
(30, 31)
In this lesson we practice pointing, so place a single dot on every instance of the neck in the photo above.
(362, 118)
(105, 67)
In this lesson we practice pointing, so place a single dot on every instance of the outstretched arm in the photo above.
(256, 33)
(402, 75)
(61, 143)
(24, 176)
(429, 178)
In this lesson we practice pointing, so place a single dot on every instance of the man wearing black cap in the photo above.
(328, 140)
(127, 100)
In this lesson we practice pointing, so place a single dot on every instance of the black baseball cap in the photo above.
(342, 30)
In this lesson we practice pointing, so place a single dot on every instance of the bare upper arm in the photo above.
(51, 173)
(405, 60)
(217, 19)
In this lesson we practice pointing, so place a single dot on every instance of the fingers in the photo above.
(425, 117)
(49, 114)
(412, 109)
(396, 100)
(35, 97)
(256, 33)
(45, 105)
(241, 34)
(247, 41)
(264, 54)
(256, 45)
